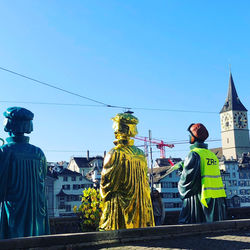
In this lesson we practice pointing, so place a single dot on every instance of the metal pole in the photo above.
(151, 161)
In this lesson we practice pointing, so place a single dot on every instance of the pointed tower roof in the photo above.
(232, 102)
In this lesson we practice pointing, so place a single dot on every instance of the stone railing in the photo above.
(61, 225)
(71, 224)
(119, 237)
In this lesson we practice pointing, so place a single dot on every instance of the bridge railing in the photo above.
(60, 225)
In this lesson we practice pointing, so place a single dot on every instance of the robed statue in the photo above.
(124, 182)
(23, 169)
(200, 185)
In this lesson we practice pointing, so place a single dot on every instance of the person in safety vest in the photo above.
(200, 185)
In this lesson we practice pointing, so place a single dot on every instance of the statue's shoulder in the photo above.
(37, 150)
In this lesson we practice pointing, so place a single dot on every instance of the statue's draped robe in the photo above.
(23, 204)
(189, 186)
(125, 190)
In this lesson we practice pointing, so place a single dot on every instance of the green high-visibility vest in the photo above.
(211, 182)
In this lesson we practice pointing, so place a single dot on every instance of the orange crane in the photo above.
(160, 144)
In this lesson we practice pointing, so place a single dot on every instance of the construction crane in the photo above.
(159, 144)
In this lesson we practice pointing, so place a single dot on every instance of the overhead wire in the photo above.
(61, 89)
(102, 104)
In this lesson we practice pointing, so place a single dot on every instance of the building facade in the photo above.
(68, 189)
(65, 183)
(167, 184)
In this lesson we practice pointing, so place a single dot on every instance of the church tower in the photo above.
(234, 125)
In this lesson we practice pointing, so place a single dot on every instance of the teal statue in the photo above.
(23, 169)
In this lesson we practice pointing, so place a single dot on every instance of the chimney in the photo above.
(88, 155)
(104, 154)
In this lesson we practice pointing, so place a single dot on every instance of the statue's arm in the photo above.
(190, 179)
(111, 172)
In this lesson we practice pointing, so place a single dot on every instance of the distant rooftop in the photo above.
(84, 162)
(68, 172)
(217, 152)
(163, 162)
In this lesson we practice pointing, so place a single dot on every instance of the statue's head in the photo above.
(198, 132)
(18, 121)
(125, 126)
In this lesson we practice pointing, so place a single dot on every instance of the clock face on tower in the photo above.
(226, 121)
(240, 120)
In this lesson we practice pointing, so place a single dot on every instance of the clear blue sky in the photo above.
(153, 54)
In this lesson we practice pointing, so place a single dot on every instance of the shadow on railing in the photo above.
(62, 225)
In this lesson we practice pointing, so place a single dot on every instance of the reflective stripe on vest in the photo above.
(211, 182)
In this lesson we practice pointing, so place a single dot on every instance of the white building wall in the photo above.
(58, 185)
(237, 182)
(168, 187)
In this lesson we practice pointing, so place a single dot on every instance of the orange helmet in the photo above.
(198, 131)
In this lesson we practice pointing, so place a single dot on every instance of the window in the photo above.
(76, 186)
(174, 184)
(241, 183)
(243, 199)
(169, 184)
(166, 184)
(62, 198)
(73, 178)
(75, 198)
(66, 187)
(169, 205)
(61, 205)
(242, 191)
(170, 175)
(166, 195)
(68, 208)
(227, 140)
(65, 178)
(241, 175)
(235, 192)
(178, 204)
(234, 175)
(80, 178)
(175, 195)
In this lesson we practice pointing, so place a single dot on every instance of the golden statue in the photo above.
(124, 184)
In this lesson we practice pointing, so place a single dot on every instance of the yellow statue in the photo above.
(124, 184)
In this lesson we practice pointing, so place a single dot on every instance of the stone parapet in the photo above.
(89, 240)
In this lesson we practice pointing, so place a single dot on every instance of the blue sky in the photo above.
(172, 55)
